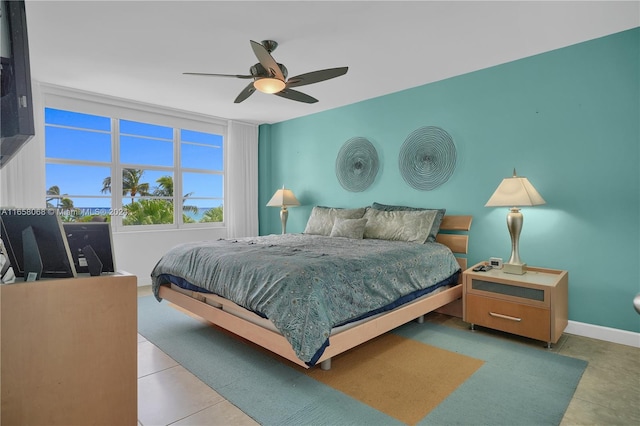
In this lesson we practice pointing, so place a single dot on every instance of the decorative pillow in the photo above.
(348, 228)
(321, 220)
(436, 222)
(399, 225)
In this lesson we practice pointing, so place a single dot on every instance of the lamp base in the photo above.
(514, 268)
(284, 214)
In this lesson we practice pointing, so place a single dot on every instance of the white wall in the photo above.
(138, 252)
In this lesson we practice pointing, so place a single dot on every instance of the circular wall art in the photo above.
(357, 164)
(427, 158)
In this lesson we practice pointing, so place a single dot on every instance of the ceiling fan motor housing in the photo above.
(258, 70)
(270, 45)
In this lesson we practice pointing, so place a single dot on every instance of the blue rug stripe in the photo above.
(541, 384)
(516, 385)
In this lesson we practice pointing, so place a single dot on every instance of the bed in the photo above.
(353, 275)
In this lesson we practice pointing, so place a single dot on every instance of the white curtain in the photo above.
(241, 214)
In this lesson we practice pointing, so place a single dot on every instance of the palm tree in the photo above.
(130, 183)
(148, 212)
(55, 191)
(106, 185)
(69, 212)
(165, 186)
(213, 215)
(67, 204)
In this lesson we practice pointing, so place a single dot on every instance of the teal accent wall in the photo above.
(569, 120)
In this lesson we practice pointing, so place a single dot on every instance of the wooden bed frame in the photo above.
(454, 235)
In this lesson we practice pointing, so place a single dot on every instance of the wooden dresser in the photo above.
(68, 351)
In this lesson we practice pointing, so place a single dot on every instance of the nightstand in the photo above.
(533, 305)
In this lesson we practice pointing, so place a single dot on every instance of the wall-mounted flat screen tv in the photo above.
(35, 243)
(88, 242)
(16, 110)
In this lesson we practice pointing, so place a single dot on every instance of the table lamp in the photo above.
(283, 198)
(514, 192)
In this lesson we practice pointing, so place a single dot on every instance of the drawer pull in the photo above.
(493, 314)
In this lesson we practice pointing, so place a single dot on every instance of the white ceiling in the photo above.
(139, 50)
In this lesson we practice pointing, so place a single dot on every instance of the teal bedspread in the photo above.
(307, 284)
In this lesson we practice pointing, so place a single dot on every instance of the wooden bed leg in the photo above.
(420, 319)
(326, 364)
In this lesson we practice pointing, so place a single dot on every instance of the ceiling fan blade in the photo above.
(316, 76)
(296, 96)
(266, 60)
(246, 92)
(218, 75)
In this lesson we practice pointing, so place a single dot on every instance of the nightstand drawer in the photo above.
(524, 320)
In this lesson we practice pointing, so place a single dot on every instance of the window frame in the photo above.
(121, 109)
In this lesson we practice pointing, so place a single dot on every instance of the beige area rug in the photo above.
(403, 378)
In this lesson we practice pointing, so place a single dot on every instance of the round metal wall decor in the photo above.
(357, 164)
(427, 158)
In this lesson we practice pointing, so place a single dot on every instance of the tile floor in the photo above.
(608, 393)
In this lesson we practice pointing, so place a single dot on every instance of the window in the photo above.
(132, 173)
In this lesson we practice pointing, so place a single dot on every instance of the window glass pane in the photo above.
(201, 138)
(77, 144)
(77, 180)
(76, 119)
(201, 157)
(195, 208)
(154, 152)
(204, 214)
(202, 185)
(147, 211)
(137, 182)
(144, 129)
(201, 150)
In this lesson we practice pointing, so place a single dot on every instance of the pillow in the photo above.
(436, 223)
(399, 225)
(321, 220)
(348, 228)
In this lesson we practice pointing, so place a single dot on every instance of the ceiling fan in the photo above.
(271, 77)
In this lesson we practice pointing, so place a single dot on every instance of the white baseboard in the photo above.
(613, 335)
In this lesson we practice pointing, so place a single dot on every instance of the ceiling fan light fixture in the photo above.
(269, 85)
(270, 76)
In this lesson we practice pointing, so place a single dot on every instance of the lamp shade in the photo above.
(515, 191)
(283, 198)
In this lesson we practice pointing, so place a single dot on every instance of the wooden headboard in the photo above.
(454, 233)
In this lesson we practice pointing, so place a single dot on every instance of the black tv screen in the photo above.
(16, 110)
(36, 244)
(96, 235)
